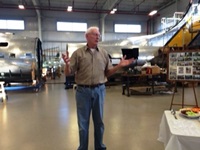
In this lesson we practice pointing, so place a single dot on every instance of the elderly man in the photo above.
(92, 66)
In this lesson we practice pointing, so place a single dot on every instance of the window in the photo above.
(12, 24)
(71, 26)
(3, 44)
(127, 28)
(28, 55)
(12, 55)
(1, 55)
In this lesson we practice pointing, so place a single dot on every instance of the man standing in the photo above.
(91, 66)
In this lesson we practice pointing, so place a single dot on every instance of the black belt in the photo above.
(90, 86)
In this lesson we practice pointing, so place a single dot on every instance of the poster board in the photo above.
(184, 65)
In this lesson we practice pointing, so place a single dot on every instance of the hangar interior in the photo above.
(38, 101)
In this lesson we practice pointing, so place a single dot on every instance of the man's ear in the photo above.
(86, 36)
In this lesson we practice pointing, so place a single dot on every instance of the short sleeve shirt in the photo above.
(90, 67)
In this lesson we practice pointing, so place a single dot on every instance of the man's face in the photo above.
(93, 38)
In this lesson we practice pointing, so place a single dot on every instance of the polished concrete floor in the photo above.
(46, 120)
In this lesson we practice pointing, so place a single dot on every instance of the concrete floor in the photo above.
(46, 120)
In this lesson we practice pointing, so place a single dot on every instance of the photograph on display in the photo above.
(188, 70)
(180, 70)
(188, 77)
(184, 65)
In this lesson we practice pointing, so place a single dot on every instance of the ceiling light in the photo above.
(113, 11)
(69, 8)
(153, 12)
(20, 6)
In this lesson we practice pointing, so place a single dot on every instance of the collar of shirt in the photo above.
(87, 48)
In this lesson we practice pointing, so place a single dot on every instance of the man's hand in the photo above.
(125, 62)
(66, 57)
(66, 60)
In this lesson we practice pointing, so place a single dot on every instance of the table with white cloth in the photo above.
(179, 134)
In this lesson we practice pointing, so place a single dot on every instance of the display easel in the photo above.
(183, 67)
(183, 100)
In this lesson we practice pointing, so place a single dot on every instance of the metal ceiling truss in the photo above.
(103, 7)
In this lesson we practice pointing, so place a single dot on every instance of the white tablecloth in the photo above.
(179, 134)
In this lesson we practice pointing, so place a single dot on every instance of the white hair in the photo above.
(90, 29)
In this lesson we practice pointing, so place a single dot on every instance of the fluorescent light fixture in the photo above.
(153, 12)
(20, 6)
(113, 11)
(69, 8)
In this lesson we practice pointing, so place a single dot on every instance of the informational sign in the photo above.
(184, 65)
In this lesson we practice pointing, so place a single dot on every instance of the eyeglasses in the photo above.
(96, 34)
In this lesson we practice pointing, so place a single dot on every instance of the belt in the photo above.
(90, 86)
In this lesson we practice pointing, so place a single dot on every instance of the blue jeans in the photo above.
(90, 100)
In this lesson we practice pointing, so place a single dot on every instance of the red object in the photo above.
(148, 71)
